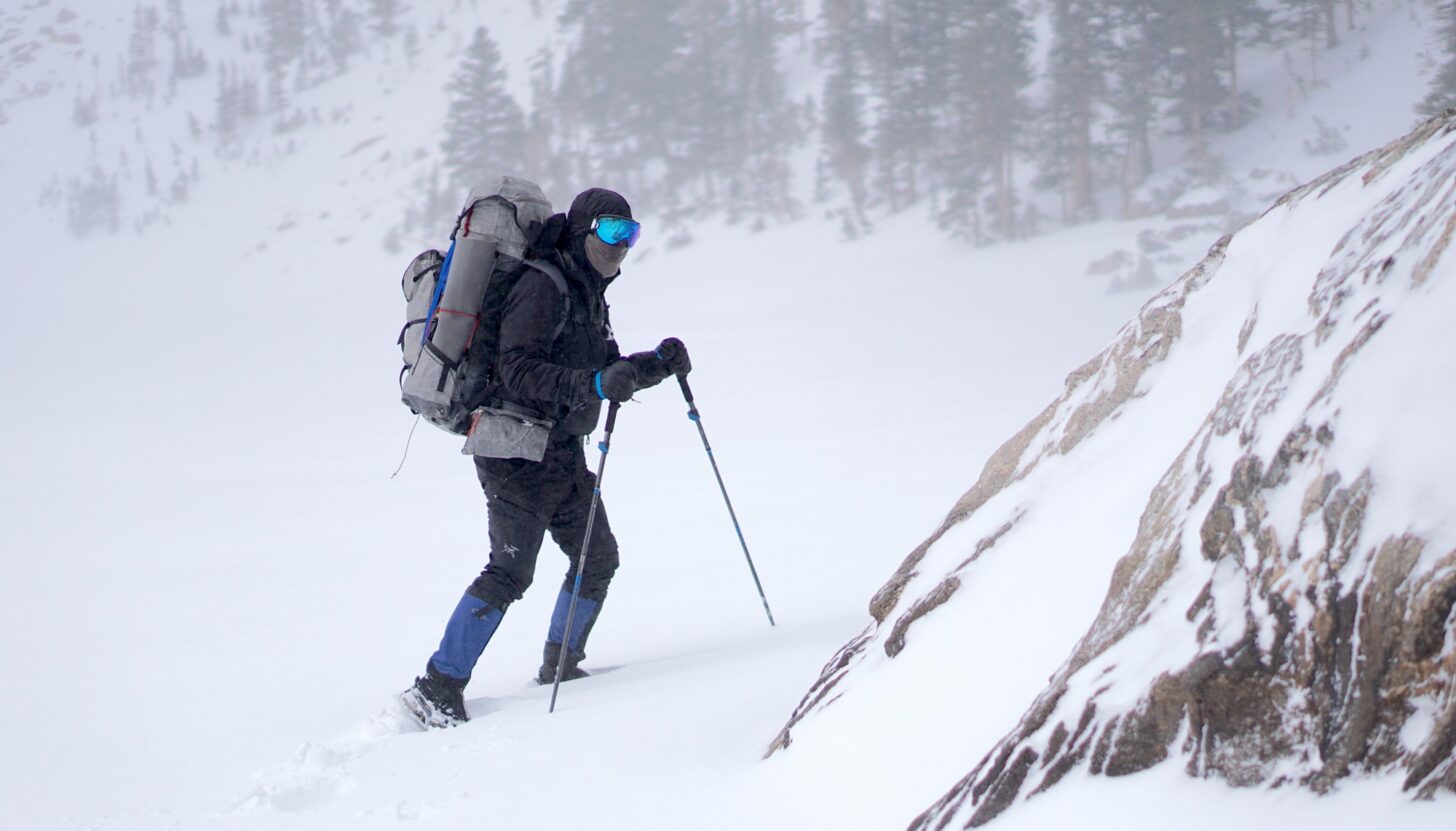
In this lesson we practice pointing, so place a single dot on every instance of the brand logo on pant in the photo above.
(511, 550)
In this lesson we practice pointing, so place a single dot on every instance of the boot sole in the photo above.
(546, 682)
(424, 713)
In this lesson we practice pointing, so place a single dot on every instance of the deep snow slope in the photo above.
(213, 587)
(1281, 613)
(208, 568)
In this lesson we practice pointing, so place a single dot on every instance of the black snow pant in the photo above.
(525, 500)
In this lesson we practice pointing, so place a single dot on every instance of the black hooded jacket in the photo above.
(555, 377)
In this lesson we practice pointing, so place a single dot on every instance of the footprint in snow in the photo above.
(318, 773)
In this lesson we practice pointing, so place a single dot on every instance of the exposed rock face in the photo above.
(1284, 613)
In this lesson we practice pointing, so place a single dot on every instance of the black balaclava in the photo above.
(605, 259)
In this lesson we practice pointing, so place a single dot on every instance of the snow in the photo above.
(1411, 384)
(1380, 224)
(1199, 198)
(1165, 797)
(213, 586)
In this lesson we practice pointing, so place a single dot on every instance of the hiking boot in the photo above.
(550, 657)
(581, 626)
(436, 700)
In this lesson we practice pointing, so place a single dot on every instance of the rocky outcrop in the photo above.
(1094, 392)
(1284, 613)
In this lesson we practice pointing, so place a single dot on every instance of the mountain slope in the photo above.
(212, 583)
(1283, 611)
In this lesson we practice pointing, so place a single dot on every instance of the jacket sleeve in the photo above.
(528, 322)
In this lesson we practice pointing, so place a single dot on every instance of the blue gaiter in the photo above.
(586, 613)
(466, 635)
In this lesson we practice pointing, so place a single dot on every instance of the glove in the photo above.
(674, 357)
(616, 383)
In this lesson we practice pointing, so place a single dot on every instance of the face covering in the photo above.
(606, 259)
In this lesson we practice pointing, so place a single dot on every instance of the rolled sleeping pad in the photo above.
(431, 384)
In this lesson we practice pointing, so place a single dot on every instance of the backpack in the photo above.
(453, 301)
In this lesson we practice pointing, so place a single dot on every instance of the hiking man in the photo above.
(563, 378)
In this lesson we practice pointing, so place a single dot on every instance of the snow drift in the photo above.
(1282, 613)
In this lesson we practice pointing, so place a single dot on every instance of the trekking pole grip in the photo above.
(612, 417)
(682, 381)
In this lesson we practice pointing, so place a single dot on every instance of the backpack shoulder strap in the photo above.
(559, 280)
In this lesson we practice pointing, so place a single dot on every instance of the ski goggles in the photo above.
(614, 230)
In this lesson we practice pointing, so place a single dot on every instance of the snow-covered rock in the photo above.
(1282, 614)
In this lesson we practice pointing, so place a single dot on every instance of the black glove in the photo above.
(674, 357)
(616, 383)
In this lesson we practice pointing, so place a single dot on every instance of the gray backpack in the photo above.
(453, 301)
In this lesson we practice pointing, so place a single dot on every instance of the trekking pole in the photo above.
(591, 516)
(697, 419)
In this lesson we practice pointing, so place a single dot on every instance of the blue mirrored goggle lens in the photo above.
(614, 230)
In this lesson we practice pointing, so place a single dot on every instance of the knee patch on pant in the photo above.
(595, 580)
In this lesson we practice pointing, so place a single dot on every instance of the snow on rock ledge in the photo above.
(1283, 612)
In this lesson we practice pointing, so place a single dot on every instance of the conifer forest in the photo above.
(1001, 118)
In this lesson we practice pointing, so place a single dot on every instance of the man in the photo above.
(565, 378)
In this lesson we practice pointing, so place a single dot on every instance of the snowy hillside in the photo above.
(213, 587)
(1283, 612)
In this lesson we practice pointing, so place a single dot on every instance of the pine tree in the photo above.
(318, 50)
(1246, 23)
(705, 127)
(619, 111)
(249, 98)
(731, 122)
(1313, 20)
(990, 41)
(236, 102)
(1140, 64)
(1443, 87)
(844, 154)
(1204, 37)
(694, 116)
(86, 110)
(283, 24)
(141, 60)
(411, 46)
(912, 56)
(540, 161)
(345, 38)
(384, 17)
(93, 203)
(760, 122)
(1077, 73)
(484, 129)
(228, 119)
(187, 60)
(1198, 64)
